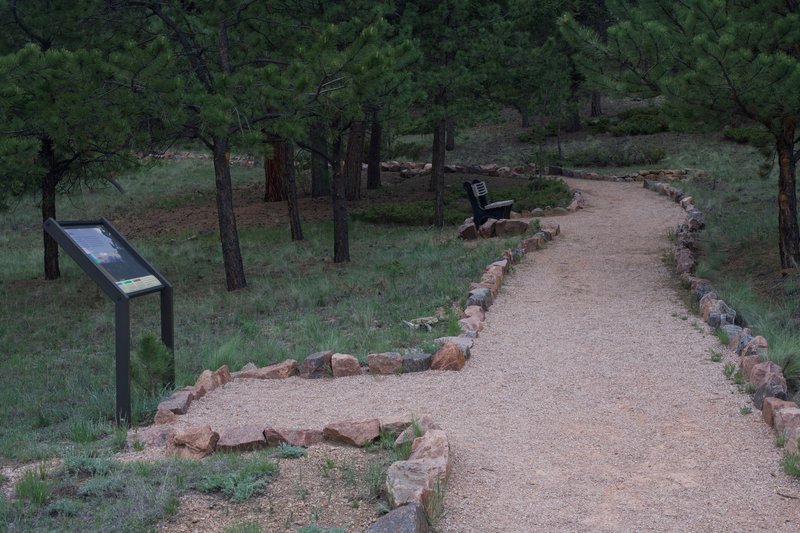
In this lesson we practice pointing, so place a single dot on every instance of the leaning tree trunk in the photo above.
(320, 178)
(374, 155)
(49, 184)
(437, 172)
(597, 107)
(789, 235)
(341, 239)
(451, 134)
(228, 234)
(525, 115)
(291, 194)
(274, 167)
(355, 155)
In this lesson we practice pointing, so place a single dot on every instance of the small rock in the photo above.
(772, 406)
(432, 445)
(538, 212)
(424, 424)
(280, 370)
(317, 365)
(787, 417)
(472, 323)
(395, 424)
(684, 261)
(773, 387)
(720, 314)
(757, 346)
(178, 403)
(196, 442)
(449, 357)
(746, 365)
(153, 437)
(481, 297)
(508, 228)
(414, 481)
(344, 365)
(416, 362)
(487, 228)
(294, 437)
(222, 376)
(552, 227)
(408, 518)
(464, 344)
(248, 366)
(165, 416)
(468, 231)
(353, 432)
(385, 363)
(767, 372)
(241, 439)
(531, 244)
(205, 382)
(475, 310)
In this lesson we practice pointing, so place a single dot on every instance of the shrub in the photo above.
(757, 137)
(411, 150)
(33, 486)
(629, 154)
(151, 365)
(644, 121)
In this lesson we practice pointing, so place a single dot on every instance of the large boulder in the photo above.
(241, 439)
(405, 519)
(449, 357)
(315, 366)
(344, 365)
(195, 442)
(385, 363)
(353, 432)
(416, 481)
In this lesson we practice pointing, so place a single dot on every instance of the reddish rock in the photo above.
(165, 416)
(395, 424)
(505, 262)
(344, 365)
(473, 323)
(746, 364)
(757, 346)
(449, 357)
(433, 445)
(178, 403)
(733, 342)
(475, 311)
(705, 304)
(222, 375)
(206, 382)
(353, 432)
(385, 363)
(294, 437)
(496, 270)
(468, 231)
(514, 215)
(487, 228)
(281, 370)
(424, 424)
(788, 417)
(772, 406)
(492, 282)
(687, 202)
(767, 371)
(152, 437)
(508, 227)
(550, 227)
(195, 442)
(415, 482)
(461, 342)
(684, 261)
(791, 436)
(317, 365)
(241, 439)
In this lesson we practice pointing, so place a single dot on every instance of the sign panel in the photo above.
(111, 256)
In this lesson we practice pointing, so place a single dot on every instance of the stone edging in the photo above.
(670, 174)
(771, 392)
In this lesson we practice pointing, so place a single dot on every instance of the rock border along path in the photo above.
(588, 404)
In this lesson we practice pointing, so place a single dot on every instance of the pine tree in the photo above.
(712, 60)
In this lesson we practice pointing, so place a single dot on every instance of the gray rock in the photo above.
(544, 235)
(744, 338)
(695, 219)
(720, 315)
(731, 330)
(770, 389)
(406, 519)
(465, 343)
(481, 297)
(538, 212)
(417, 362)
(178, 403)
(317, 365)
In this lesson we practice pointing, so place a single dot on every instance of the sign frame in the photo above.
(106, 282)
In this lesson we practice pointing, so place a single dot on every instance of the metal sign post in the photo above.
(122, 273)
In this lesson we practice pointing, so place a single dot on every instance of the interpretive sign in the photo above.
(122, 273)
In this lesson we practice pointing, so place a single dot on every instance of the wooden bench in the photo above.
(482, 208)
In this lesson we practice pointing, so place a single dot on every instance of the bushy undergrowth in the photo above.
(638, 121)
(757, 137)
(598, 154)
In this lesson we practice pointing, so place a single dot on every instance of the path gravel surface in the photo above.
(590, 402)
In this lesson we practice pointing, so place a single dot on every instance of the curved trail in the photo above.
(589, 403)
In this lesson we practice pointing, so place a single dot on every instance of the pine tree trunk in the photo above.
(320, 178)
(597, 107)
(228, 234)
(341, 241)
(525, 114)
(355, 151)
(49, 184)
(437, 172)
(788, 232)
(291, 194)
(374, 156)
(274, 167)
(451, 134)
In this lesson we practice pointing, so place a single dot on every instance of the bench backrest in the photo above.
(481, 192)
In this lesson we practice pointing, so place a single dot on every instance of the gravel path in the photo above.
(590, 402)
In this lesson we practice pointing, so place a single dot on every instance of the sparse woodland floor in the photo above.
(590, 401)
